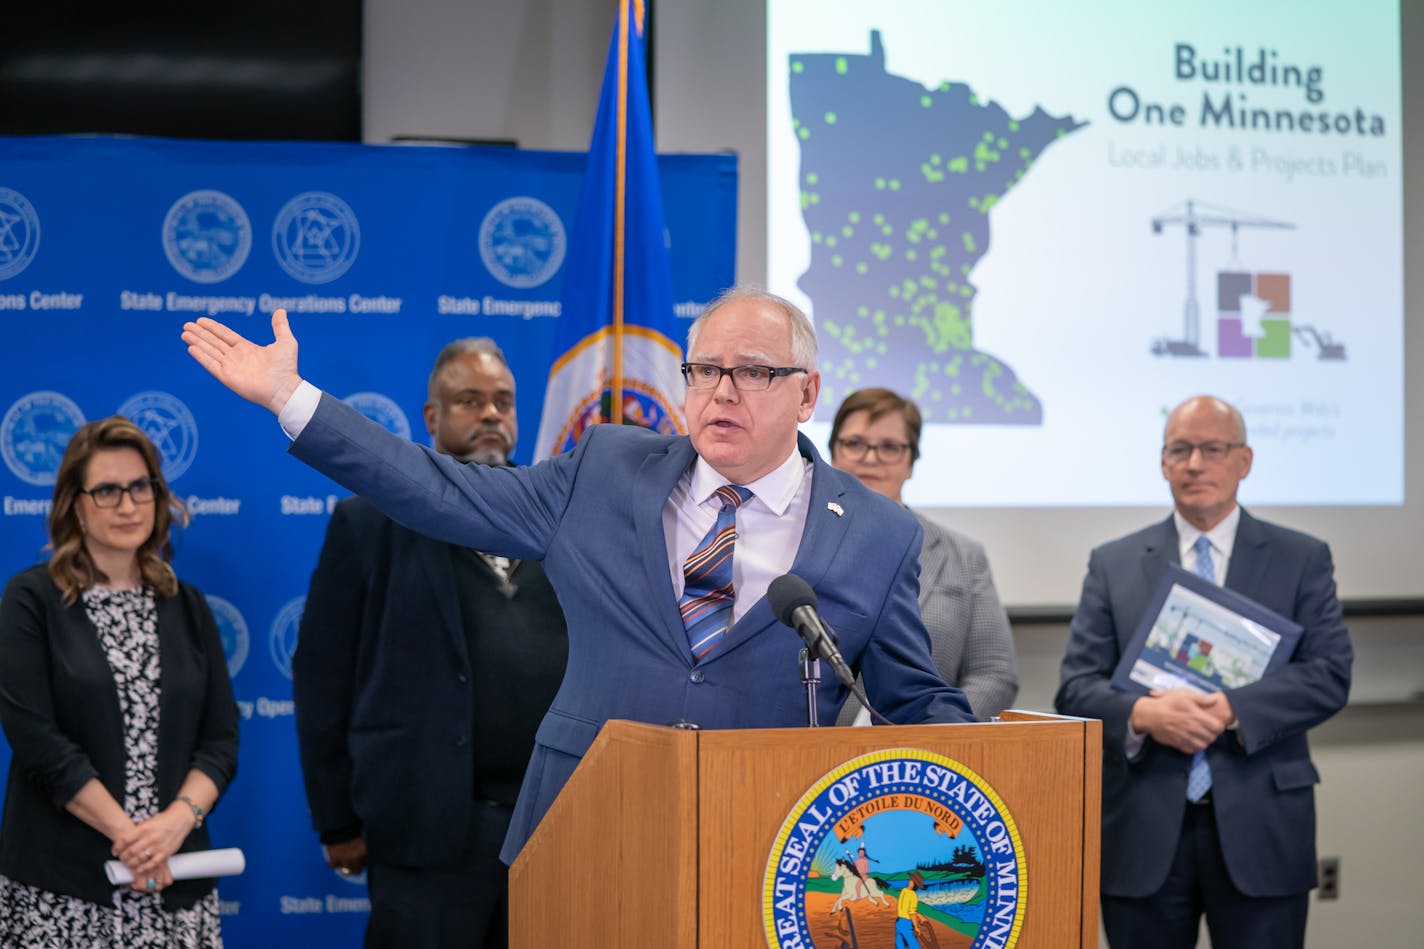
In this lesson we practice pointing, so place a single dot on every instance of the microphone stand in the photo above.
(811, 678)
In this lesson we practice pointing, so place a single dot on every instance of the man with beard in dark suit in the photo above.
(421, 672)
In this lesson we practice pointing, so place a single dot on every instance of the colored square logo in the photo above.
(1253, 315)
(1274, 288)
(1231, 343)
(1230, 288)
(1276, 343)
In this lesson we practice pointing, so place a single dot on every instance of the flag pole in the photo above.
(620, 199)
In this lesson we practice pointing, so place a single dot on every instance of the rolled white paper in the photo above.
(198, 865)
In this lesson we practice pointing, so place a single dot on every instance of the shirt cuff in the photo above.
(1132, 744)
(299, 409)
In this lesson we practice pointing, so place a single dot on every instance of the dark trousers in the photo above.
(464, 905)
(1198, 883)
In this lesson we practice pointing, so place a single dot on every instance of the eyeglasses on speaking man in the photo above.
(702, 375)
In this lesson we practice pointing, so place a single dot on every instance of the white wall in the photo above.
(476, 69)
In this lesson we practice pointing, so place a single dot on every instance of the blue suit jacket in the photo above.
(594, 516)
(1262, 776)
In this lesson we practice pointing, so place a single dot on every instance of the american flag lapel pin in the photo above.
(835, 508)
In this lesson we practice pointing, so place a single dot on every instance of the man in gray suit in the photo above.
(876, 437)
(1208, 800)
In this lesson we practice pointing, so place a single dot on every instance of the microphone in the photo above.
(794, 603)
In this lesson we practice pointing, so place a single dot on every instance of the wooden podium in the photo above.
(661, 838)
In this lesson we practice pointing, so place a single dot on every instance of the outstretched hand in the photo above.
(266, 375)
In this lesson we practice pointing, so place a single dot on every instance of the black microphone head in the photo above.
(787, 594)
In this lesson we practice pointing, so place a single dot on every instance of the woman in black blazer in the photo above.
(115, 698)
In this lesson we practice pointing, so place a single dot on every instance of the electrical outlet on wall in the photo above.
(1329, 888)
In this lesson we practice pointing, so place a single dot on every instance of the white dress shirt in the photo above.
(299, 409)
(1222, 538)
(769, 525)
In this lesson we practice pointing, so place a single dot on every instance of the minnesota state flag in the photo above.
(618, 356)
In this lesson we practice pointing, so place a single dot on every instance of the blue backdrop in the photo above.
(381, 255)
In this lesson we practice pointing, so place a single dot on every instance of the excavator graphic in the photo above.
(1325, 347)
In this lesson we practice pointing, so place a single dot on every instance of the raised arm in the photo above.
(266, 375)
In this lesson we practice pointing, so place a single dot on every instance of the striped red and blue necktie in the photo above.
(707, 597)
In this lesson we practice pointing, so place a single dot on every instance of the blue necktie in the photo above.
(707, 597)
(1199, 777)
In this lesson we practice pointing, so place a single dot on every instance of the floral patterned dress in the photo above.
(127, 621)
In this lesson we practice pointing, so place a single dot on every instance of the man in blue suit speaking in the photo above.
(1208, 800)
(649, 538)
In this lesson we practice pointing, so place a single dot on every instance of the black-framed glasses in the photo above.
(704, 375)
(108, 494)
(857, 449)
(1181, 452)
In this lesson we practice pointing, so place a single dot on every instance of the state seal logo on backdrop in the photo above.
(522, 242)
(169, 425)
(643, 405)
(382, 410)
(232, 628)
(283, 637)
(35, 432)
(206, 236)
(316, 237)
(900, 847)
(19, 233)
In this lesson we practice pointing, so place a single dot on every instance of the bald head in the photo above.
(1211, 405)
(1204, 458)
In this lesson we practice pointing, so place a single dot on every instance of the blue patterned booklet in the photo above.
(1197, 635)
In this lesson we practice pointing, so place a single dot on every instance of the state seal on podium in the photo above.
(897, 847)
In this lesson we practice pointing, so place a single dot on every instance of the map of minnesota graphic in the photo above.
(897, 184)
